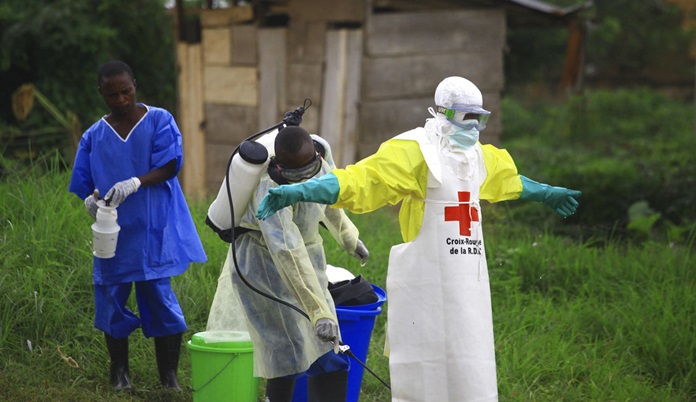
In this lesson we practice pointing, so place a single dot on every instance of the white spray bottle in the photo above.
(105, 231)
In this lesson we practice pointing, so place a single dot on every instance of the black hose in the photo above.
(351, 354)
(291, 118)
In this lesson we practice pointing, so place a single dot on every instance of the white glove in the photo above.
(361, 252)
(91, 204)
(327, 329)
(121, 190)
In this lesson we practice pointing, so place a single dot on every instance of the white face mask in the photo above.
(466, 135)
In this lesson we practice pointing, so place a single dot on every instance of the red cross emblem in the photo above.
(463, 213)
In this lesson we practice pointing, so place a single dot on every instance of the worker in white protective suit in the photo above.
(440, 329)
(284, 257)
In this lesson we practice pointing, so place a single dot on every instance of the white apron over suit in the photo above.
(439, 308)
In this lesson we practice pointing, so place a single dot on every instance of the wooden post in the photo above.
(572, 64)
(341, 94)
(191, 118)
(272, 66)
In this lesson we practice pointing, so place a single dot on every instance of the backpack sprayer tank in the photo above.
(244, 173)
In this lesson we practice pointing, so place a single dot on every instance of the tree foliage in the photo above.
(638, 40)
(59, 45)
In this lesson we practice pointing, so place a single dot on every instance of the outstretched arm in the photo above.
(560, 199)
(323, 190)
(396, 171)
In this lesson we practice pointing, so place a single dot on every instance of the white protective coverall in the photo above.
(282, 256)
(440, 330)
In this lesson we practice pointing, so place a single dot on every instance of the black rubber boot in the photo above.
(118, 351)
(328, 387)
(279, 389)
(167, 350)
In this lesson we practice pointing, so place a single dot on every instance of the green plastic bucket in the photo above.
(222, 367)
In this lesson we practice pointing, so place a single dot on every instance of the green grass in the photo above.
(574, 321)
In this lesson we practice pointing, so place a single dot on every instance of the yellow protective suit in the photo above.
(440, 327)
(398, 172)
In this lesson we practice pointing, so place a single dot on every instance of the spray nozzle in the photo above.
(107, 200)
(294, 118)
(339, 347)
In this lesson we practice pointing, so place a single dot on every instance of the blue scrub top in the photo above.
(158, 238)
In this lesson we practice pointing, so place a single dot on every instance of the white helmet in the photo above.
(457, 97)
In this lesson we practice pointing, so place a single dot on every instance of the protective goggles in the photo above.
(301, 173)
(458, 114)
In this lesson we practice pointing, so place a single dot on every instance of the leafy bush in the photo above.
(58, 45)
(620, 148)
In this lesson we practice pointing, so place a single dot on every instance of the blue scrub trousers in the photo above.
(160, 313)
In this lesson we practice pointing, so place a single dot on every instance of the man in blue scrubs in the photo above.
(133, 155)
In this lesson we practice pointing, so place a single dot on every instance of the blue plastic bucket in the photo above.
(356, 323)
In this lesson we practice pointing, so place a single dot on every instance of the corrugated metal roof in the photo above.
(552, 9)
(519, 12)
